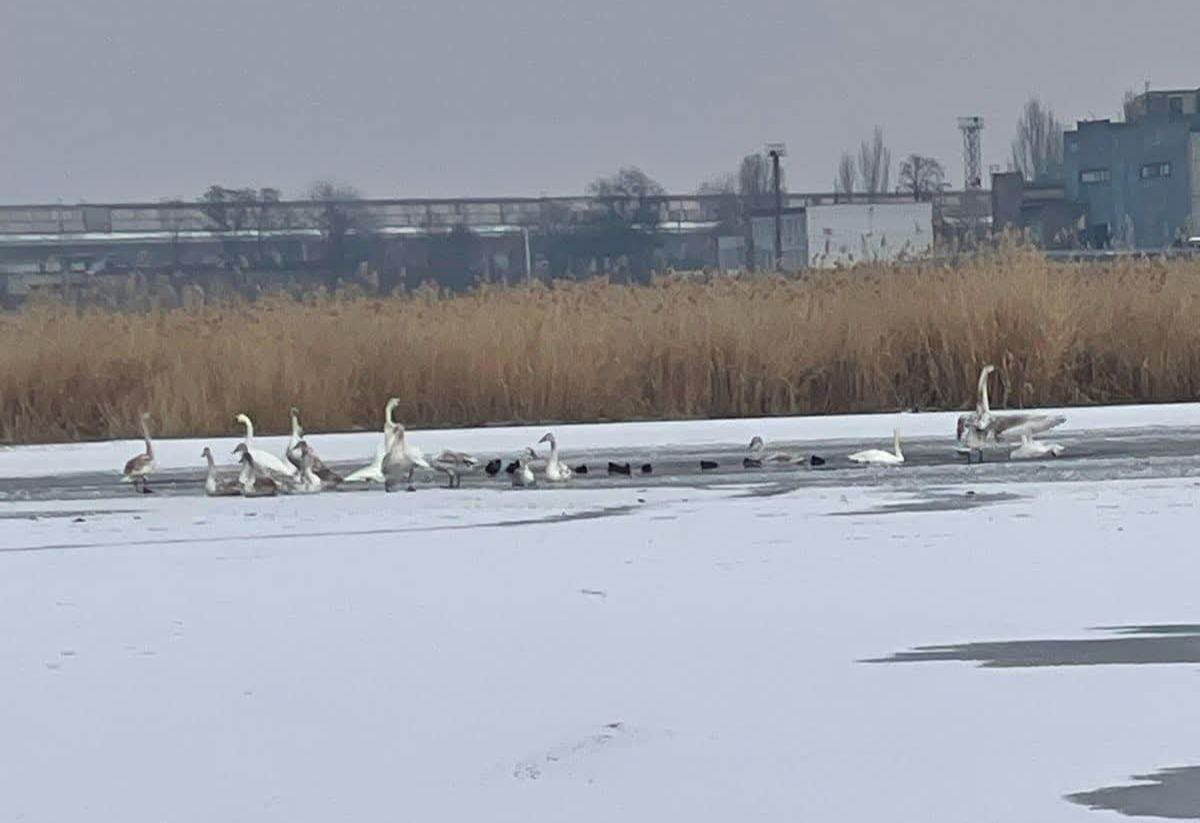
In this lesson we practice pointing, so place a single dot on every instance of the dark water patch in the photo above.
(1165, 628)
(565, 517)
(958, 501)
(1143, 645)
(930, 462)
(1172, 794)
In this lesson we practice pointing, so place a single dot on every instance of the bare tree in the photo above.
(339, 215)
(215, 205)
(720, 184)
(1037, 148)
(756, 183)
(229, 209)
(725, 206)
(267, 215)
(874, 163)
(756, 190)
(627, 192)
(627, 228)
(921, 176)
(847, 175)
(1131, 106)
(174, 218)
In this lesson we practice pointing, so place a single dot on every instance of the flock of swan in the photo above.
(301, 471)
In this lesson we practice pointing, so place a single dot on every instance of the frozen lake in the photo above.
(1011, 641)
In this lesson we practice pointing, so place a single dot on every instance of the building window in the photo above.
(1095, 176)
(1176, 105)
(1151, 170)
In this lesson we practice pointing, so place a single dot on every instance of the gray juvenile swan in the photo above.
(214, 486)
(327, 475)
(138, 468)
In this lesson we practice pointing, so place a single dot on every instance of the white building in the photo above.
(845, 234)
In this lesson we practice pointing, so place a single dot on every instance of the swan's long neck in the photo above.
(246, 475)
(310, 477)
(553, 451)
(146, 437)
(297, 431)
(212, 465)
(981, 402)
(249, 431)
(896, 444)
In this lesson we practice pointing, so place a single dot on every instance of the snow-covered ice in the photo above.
(637, 652)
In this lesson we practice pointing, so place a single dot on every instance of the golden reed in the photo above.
(867, 339)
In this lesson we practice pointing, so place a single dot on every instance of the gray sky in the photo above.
(148, 99)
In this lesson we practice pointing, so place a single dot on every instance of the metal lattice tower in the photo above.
(972, 153)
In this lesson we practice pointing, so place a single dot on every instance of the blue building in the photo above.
(1138, 182)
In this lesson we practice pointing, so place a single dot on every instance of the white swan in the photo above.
(555, 471)
(215, 486)
(370, 473)
(402, 458)
(293, 455)
(373, 471)
(879, 457)
(264, 460)
(533, 459)
(972, 427)
(523, 475)
(1031, 449)
(138, 468)
(981, 428)
(252, 481)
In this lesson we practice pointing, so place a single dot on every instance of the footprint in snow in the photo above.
(571, 755)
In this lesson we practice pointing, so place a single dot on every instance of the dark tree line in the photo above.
(335, 209)
(619, 235)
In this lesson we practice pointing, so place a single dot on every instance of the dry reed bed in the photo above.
(872, 338)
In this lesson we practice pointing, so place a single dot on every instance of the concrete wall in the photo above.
(1159, 102)
(1008, 192)
(792, 237)
(1194, 221)
(844, 235)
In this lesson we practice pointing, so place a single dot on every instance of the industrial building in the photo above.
(407, 241)
(829, 236)
(1137, 183)
(1039, 211)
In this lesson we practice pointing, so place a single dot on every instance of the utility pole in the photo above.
(528, 260)
(776, 151)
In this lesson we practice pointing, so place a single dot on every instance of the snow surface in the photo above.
(632, 653)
